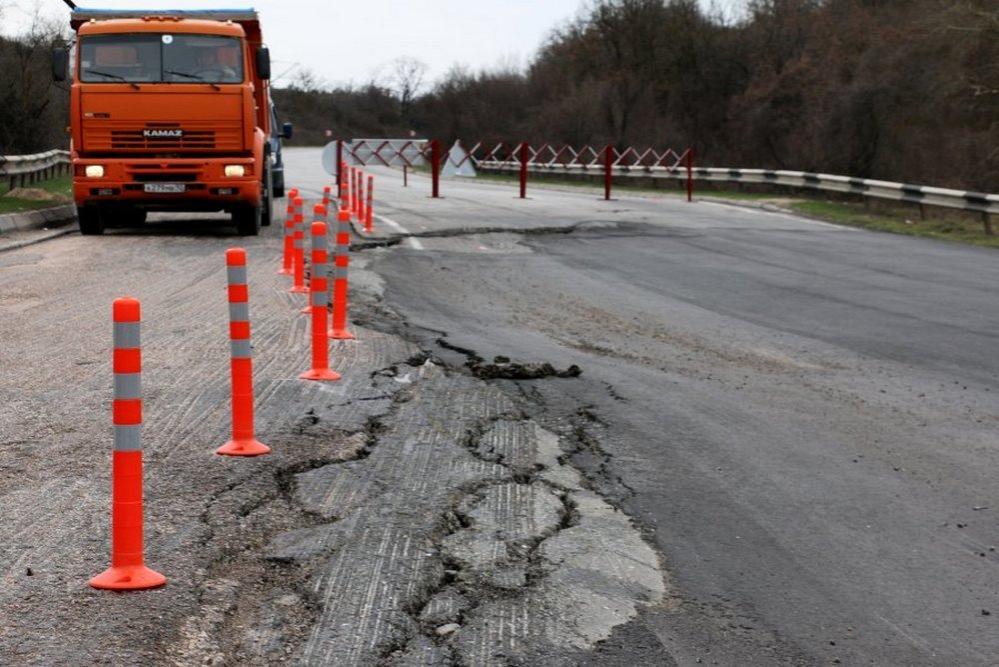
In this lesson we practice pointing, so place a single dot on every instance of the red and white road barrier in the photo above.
(298, 251)
(319, 300)
(128, 570)
(244, 441)
(340, 283)
(521, 159)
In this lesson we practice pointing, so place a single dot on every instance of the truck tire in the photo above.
(90, 220)
(267, 198)
(247, 219)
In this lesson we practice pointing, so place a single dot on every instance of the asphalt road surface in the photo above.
(803, 416)
(799, 419)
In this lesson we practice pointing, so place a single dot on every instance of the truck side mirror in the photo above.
(264, 63)
(287, 130)
(60, 64)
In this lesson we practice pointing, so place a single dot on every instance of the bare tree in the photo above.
(307, 81)
(408, 78)
(32, 108)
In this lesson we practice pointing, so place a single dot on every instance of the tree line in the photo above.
(33, 109)
(903, 90)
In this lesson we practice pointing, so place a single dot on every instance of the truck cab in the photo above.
(170, 111)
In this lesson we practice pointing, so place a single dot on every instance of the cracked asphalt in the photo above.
(800, 416)
(571, 432)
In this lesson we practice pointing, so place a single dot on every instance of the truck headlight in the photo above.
(94, 171)
(235, 170)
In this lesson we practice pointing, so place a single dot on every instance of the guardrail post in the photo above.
(690, 174)
(435, 167)
(608, 171)
(987, 222)
(524, 148)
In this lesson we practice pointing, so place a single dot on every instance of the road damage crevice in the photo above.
(485, 555)
(503, 368)
(393, 240)
(240, 522)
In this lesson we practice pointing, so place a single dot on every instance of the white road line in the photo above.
(415, 243)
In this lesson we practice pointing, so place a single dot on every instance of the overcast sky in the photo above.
(352, 41)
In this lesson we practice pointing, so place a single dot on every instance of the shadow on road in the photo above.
(215, 225)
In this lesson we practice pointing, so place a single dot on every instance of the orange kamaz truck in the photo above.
(170, 111)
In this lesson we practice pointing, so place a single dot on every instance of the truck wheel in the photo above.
(247, 219)
(90, 220)
(267, 188)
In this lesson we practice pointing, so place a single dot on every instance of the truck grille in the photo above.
(129, 137)
(165, 176)
(134, 140)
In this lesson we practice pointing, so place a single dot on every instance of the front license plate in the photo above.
(165, 188)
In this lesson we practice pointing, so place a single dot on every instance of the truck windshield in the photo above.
(161, 58)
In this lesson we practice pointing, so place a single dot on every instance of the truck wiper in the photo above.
(109, 75)
(188, 75)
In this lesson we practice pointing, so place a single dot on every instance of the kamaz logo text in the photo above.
(160, 134)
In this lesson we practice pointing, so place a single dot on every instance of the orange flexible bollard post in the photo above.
(340, 284)
(319, 300)
(343, 185)
(289, 232)
(350, 188)
(298, 252)
(326, 196)
(368, 212)
(357, 191)
(244, 441)
(319, 214)
(360, 197)
(351, 200)
(128, 570)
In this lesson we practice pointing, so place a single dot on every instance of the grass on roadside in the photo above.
(61, 185)
(951, 227)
